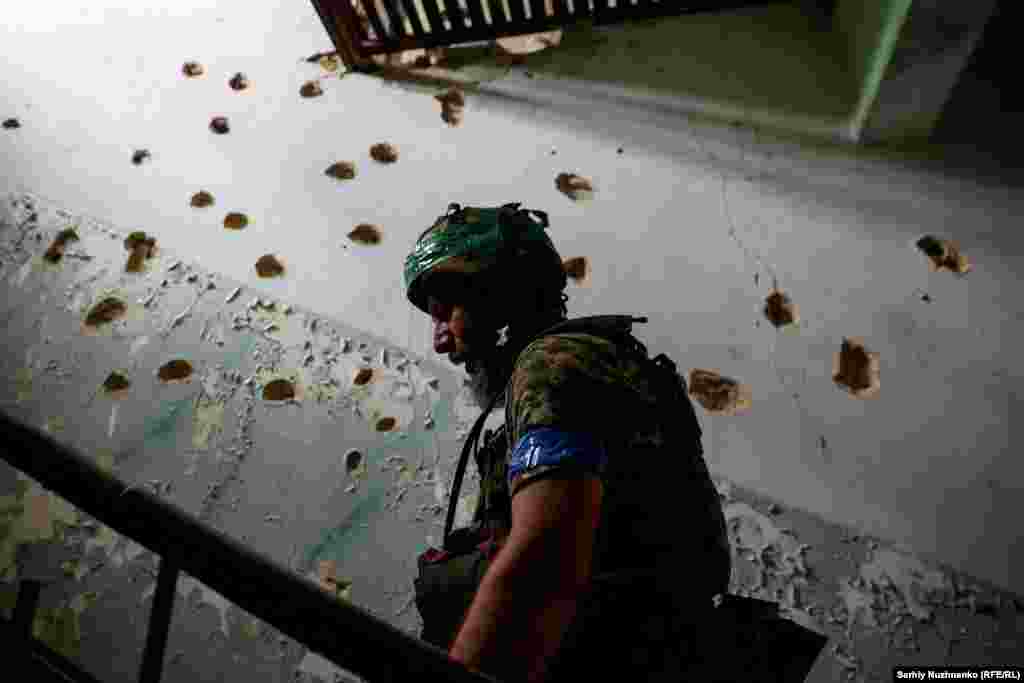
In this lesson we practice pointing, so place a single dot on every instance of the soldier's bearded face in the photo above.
(455, 329)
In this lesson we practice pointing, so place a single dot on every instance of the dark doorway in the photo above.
(985, 108)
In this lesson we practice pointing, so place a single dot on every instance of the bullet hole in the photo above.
(176, 370)
(857, 370)
(238, 82)
(363, 377)
(219, 125)
(141, 155)
(944, 255)
(343, 170)
(779, 309)
(386, 424)
(453, 105)
(141, 247)
(268, 266)
(236, 221)
(384, 153)
(55, 252)
(574, 186)
(925, 297)
(105, 311)
(193, 69)
(577, 268)
(201, 200)
(619, 151)
(352, 460)
(311, 89)
(116, 383)
(11, 124)
(718, 394)
(554, 152)
(365, 234)
(278, 390)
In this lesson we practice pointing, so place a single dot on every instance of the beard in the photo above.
(482, 386)
(488, 364)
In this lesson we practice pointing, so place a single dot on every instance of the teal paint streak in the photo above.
(162, 429)
(335, 542)
(870, 30)
(234, 360)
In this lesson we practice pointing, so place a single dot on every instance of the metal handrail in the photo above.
(345, 634)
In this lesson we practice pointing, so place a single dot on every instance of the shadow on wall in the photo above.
(977, 134)
(782, 59)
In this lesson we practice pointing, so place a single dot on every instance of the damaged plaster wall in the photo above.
(690, 225)
(235, 407)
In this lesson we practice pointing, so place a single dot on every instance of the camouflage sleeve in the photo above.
(562, 408)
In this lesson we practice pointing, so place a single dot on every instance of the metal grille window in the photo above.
(363, 28)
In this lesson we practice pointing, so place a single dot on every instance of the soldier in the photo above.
(599, 541)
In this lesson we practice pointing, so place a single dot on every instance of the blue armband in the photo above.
(548, 447)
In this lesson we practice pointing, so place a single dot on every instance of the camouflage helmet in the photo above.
(481, 242)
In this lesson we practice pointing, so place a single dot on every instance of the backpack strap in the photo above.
(460, 470)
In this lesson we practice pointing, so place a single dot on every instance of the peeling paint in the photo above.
(918, 584)
(112, 422)
(105, 460)
(207, 596)
(163, 426)
(22, 274)
(315, 665)
(45, 515)
(208, 420)
(858, 604)
(283, 328)
(335, 541)
(54, 425)
(83, 601)
(23, 384)
(465, 509)
(138, 343)
(105, 539)
(251, 628)
(60, 629)
(12, 510)
(74, 569)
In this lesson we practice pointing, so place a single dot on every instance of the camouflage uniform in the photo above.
(661, 516)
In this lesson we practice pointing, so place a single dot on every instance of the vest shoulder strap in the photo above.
(609, 326)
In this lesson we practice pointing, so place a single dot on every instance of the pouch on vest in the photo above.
(449, 576)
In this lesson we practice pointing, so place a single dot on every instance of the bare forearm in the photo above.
(515, 624)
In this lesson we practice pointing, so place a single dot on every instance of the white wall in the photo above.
(930, 462)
